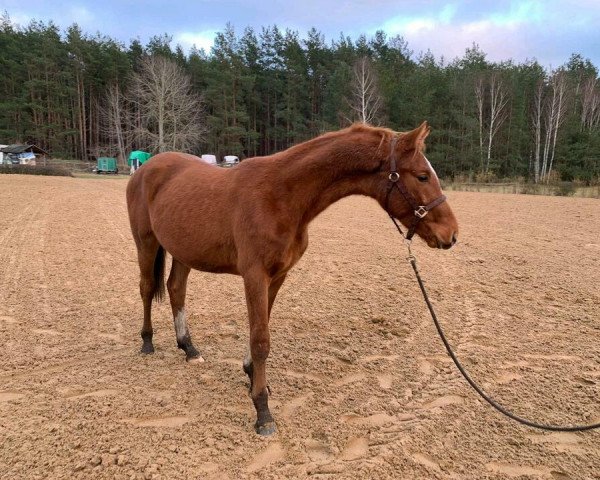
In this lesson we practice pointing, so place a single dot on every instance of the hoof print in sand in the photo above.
(97, 393)
(377, 420)
(355, 449)
(159, 422)
(290, 407)
(355, 377)
(273, 453)
(443, 402)
(318, 451)
(516, 470)
(427, 461)
(8, 396)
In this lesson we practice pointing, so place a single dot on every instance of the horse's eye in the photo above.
(422, 178)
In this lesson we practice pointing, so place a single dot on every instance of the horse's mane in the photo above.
(385, 134)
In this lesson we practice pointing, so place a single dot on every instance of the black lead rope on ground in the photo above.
(500, 408)
(493, 403)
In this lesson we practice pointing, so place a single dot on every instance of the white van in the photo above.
(210, 159)
(230, 160)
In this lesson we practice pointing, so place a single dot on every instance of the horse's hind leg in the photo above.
(177, 285)
(151, 262)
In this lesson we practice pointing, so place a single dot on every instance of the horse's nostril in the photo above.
(454, 238)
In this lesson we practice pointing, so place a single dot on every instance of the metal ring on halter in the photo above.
(394, 177)
(421, 211)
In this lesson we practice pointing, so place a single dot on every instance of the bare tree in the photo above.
(170, 114)
(114, 119)
(497, 113)
(491, 98)
(590, 104)
(365, 100)
(536, 120)
(555, 115)
(479, 98)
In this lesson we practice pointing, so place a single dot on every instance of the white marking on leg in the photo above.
(181, 329)
(182, 332)
(248, 358)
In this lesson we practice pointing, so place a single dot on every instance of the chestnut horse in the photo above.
(252, 220)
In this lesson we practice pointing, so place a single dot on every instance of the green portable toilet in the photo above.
(137, 158)
(107, 165)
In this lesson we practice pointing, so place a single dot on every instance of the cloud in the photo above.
(80, 15)
(546, 29)
(519, 13)
(521, 30)
(500, 42)
(20, 19)
(203, 39)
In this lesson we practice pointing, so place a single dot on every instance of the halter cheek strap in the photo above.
(419, 210)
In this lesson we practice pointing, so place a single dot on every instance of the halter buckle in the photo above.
(421, 211)
(394, 177)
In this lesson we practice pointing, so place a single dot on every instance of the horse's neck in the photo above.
(315, 178)
(360, 184)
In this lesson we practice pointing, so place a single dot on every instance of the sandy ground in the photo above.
(362, 387)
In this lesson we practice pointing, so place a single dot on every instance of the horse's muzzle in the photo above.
(447, 245)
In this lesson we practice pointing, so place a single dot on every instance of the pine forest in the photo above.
(80, 96)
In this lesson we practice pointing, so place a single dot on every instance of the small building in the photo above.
(2, 154)
(18, 154)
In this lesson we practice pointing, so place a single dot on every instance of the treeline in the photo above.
(264, 91)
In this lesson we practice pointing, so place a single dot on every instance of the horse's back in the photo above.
(170, 171)
(184, 203)
(174, 166)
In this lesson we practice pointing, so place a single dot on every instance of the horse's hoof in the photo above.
(196, 359)
(147, 349)
(266, 430)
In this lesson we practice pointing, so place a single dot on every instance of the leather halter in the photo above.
(419, 210)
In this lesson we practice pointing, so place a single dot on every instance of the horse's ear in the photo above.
(416, 138)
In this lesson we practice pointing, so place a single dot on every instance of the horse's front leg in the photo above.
(256, 283)
(274, 287)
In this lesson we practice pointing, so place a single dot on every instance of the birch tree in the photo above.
(170, 113)
(491, 98)
(497, 114)
(479, 99)
(554, 117)
(365, 100)
(536, 120)
(590, 104)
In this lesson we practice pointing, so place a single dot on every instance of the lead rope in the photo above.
(413, 261)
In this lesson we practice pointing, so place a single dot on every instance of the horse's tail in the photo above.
(159, 274)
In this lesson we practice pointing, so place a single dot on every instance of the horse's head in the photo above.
(414, 195)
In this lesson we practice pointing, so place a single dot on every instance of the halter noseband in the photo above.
(419, 210)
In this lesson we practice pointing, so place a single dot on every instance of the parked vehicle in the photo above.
(137, 158)
(107, 165)
(210, 159)
(230, 161)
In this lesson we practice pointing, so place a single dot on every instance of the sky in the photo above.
(547, 30)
